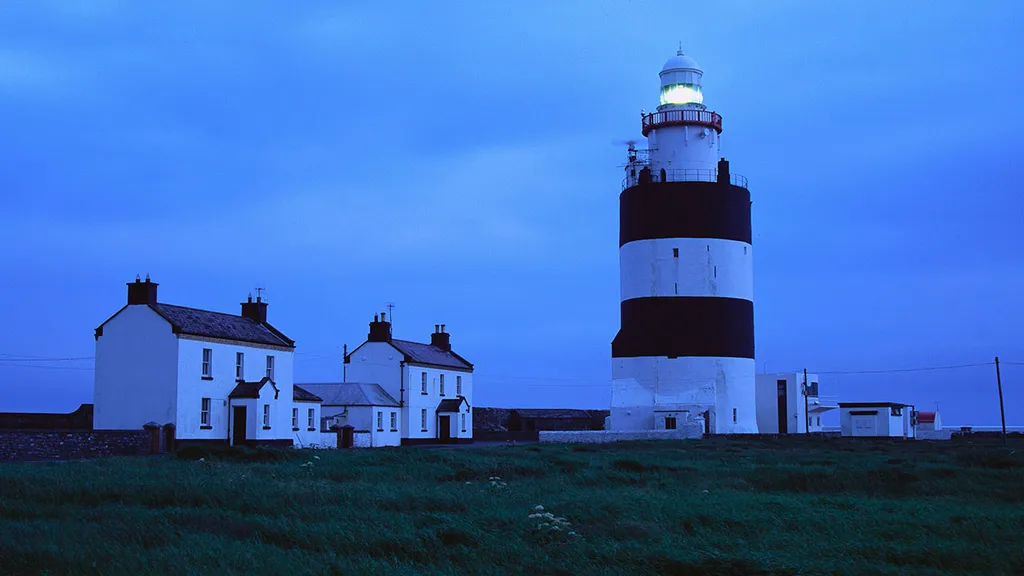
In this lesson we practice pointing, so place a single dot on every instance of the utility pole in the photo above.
(1002, 415)
(807, 414)
(344, 363)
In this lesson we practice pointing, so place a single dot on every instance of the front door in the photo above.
(238, 432)
(445, 428)
(783, 408)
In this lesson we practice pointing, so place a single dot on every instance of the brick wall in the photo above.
(72, 444)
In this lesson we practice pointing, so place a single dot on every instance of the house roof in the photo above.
(563, 414)
(451, 404)
(351, 394)
(220, 325)
(872, 405)
(429, 354)
(926, 417)
(251, 389)
(303, 395)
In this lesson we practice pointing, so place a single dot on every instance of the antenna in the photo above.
(391, 312)
(259, 292)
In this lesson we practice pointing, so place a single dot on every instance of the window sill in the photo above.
(294, 429)
(207, 377)
(205, 427)
(380, 429)
(423, 393)
(266, 427)
(309, 429)
(424, 430)
(394, 429)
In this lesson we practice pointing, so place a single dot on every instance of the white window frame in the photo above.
(394, 421)
(207, 362)
(423, 419)
(440, 380)
(204, 412)
(239, 366)
(266, 415)
(463, 422)
(380, 420)
(295, 418)
(312, 418)
(458, 385)
(423, 383)
(270, 367)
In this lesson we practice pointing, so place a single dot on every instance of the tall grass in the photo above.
(716, 506)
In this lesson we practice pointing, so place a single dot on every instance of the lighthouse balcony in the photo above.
(648, 176)
(684, 117)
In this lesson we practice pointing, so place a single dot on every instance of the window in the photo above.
(819, 421)
(295, 418)
(394, 421)
(380, 421)
(677, 288)
(463, 422)
(744, 249)
(733, 414)
(312, 418)
(266, 416)
(716, 271)
(441, 378)
(423, 419)
(675, 252)
(239, 366)
(270, 367)
(207, 363)
(423, 383)
(670, 422)
(458, 385)
(204, 414)
(896, 411)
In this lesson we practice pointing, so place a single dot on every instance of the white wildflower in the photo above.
(538, 507)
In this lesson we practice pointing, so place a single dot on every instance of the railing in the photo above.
(681, 175)
(684, 117)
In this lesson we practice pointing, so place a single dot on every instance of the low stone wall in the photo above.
(73, 444)
(362, 440)
(935, 434)
(685, 432)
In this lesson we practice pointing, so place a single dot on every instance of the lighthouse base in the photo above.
(657, 393)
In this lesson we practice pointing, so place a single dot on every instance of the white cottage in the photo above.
(786, 405)
(433, 384)
(877, 419)
(216, 377)
(367, 408)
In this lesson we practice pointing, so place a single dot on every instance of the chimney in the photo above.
(380, 329)
(255, 311)
(140, 292)
(723, 171)
(441, 339)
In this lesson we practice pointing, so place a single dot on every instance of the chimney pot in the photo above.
(142, 292)
(382, 317)
(442, 329)
(375, 318)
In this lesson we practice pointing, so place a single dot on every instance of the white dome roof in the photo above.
(680, 61)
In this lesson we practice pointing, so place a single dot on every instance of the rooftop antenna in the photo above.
(259, 292)
(391, 312)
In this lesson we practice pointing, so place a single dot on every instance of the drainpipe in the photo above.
(401, 390)
(807, 414)
(229, 421)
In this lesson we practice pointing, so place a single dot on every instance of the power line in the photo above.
(921, 369)
(78, 359)
(2, 365)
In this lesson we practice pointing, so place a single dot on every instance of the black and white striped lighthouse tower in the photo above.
(685, 348)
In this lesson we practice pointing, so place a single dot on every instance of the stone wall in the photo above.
(362, 440)
(80, 419)
(685, 432)
(73, 444)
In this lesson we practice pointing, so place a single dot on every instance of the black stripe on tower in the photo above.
(684, 210)
(679, 326)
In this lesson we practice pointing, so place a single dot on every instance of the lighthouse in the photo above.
(684, 353)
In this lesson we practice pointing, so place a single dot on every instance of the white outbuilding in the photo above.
(790, 403)
(877, 419)
(367, 408)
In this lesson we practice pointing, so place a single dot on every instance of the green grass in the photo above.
(717, 506)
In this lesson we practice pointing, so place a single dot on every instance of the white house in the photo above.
(877, 419)
(785, 405)
(368, 408)
(216, 377)
(433, 384)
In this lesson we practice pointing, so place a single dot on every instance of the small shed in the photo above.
(877, 420)
(929, 421)
(528, 420)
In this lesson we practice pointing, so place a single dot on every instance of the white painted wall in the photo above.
(639, 385)
(684, 148)
(305, 436)
(192, 388)
(884, 423)
(767, 403)
(135, 371)
(704, 267)
(364, 418)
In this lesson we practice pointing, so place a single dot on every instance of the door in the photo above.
(783, 407)
(445, 428)
(864, 425)
(238, 432)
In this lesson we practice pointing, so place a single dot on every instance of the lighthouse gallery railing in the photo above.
(682, 175)
(685, 117)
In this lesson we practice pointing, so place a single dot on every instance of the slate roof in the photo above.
(351, 394)
(220, 325)
(561, 414)
(428, 354)
(451, 404)
(303, 395)
(251, 389)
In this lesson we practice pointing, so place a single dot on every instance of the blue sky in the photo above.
(458, 159)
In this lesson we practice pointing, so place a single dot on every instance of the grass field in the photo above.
(717, 506)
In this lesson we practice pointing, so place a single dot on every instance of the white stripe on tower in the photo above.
(686, 267)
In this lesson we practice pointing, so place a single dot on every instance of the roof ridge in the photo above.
(208, 311)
